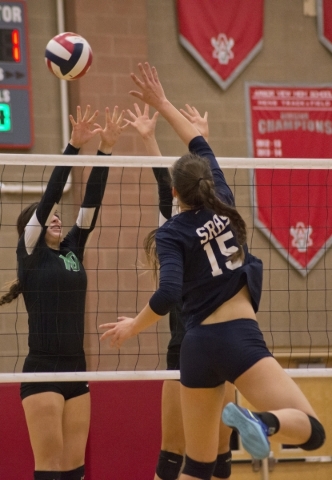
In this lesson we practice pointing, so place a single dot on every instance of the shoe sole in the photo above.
(252, 436)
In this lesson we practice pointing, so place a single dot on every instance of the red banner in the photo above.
(292, 207)
(222, 35)
(324, 19)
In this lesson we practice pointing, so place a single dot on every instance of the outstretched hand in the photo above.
(110, 133)
(151, 90)
(201, 123)
(81, 132)
(145, 125)
(118, 332)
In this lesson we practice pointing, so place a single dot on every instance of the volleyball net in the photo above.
(296, 306)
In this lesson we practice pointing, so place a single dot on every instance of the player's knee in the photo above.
(169, 465)
(223, 465)
(201, 470)
(317, 437)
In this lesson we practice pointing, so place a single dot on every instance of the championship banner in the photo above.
(293, 208)
(324, 21)
(222, 35)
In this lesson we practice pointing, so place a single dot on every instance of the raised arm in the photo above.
(97, 180)
(152, 93)
(146, 127)
(201, 123)
(81, 134)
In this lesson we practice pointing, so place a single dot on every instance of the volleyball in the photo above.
(68, 56)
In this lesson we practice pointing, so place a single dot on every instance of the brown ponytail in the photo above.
(14, 291)
(193, 180)
(15, 287)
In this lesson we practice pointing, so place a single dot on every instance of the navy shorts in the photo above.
(177, 334)
(212, 354)
(54, 363)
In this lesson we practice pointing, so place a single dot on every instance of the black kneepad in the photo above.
(201, 470)
(44, 475)
(317, 437)
(169, 465)
(223, 465)
(76, 474)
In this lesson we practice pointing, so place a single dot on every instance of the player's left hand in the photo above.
(201, 123)
(118, 332)
(151, 90)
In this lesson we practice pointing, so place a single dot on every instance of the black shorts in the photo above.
(177, 329)
(54, 363)
(212, 354)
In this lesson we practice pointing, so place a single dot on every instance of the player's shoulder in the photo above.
(172, 229)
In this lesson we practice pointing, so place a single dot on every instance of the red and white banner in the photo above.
(222, 35)
(324, 19)
(292, 207)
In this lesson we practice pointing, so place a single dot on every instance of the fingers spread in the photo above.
(137, 110)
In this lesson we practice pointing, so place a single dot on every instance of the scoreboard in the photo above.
(16, 130)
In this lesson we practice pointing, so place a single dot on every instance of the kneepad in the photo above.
(44, 475)
(169, 465)
(201, 470)
(223, 465)
(77, 474)
(317, 437)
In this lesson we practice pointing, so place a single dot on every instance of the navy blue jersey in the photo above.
(54, 282)
(194, 248)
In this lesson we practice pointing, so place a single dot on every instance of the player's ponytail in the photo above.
(14, 291)
(15, 288)
(193, 181)
(149, 245)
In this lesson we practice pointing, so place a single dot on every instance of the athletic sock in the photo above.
(270, 420)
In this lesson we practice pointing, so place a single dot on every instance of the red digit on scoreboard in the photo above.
(16, 45)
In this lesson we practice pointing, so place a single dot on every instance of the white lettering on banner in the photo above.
(10, 14)
(2, 74)
(5, 96)
(318, 126)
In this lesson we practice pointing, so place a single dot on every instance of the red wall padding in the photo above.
(124, 440)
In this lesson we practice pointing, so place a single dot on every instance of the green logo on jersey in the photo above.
(71, 262)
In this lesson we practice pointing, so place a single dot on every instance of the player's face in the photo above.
(54, 232)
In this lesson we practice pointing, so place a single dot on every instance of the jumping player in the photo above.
(172, 442)
(204, 260)
(53, 282)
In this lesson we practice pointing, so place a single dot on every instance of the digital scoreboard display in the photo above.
(5, 118)
(16, 129)
(10, 48)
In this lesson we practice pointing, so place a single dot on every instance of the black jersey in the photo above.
(54, 282)
(193, 249)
